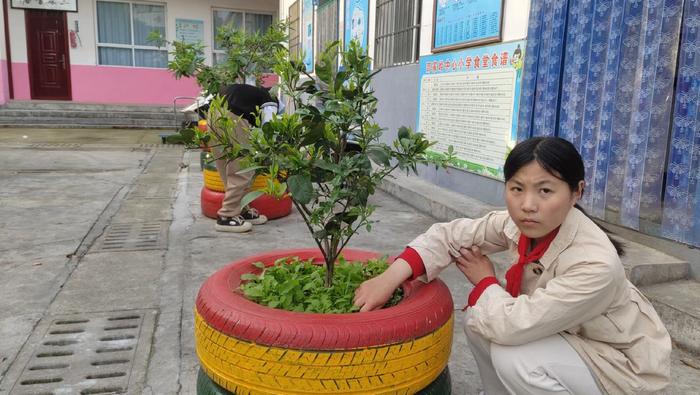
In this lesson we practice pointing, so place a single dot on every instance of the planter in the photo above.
(271, 207)
(210, 202)
(248, 348)
(267, 205)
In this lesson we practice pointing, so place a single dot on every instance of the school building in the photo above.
(620, 79)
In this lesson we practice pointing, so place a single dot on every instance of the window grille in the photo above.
(251, 22)
(294, 28)
(327, 18)
(397, 32)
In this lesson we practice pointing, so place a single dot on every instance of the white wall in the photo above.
(4, 77)
(3, 56)
(18, 37)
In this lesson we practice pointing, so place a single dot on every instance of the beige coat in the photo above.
(582, 294)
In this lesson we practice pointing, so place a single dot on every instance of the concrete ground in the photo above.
(103, 246)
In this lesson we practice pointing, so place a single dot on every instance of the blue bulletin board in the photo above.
(464, 23)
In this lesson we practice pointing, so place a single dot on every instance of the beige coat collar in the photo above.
(564, 238)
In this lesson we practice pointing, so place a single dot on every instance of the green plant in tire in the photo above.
(328, 152)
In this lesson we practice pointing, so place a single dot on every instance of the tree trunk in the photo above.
(329, 272)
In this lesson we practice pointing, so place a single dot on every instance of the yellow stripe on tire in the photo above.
(212, 180)
(248, 368)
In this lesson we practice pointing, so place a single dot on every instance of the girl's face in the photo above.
(537, 201)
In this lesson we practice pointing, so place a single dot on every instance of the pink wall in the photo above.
(4, 86)
(20, 78)
(109, 84)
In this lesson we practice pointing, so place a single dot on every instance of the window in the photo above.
(251, 22)
(398, 29)
(294, 21)
(122, 34)
(327, 18)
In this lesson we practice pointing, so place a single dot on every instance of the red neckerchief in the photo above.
(514, 275)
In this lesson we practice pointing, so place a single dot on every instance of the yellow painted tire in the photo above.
(260, 181)
(212, 180)
(248, 368)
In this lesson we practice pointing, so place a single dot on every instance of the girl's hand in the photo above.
(474, 265)
(375, 292)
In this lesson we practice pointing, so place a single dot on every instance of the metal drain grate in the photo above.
(86, 354)
(134, 237)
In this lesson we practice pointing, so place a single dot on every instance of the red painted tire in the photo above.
(272, 207)
(424, 309)
(210, 202)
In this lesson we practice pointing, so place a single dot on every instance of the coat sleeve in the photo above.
(442, 241)
(581, 293)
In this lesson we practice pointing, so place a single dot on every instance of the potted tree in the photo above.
(329, 156)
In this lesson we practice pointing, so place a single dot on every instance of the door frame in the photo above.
(69, 95)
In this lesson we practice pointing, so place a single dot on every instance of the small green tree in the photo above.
(247, 55)
(310, 152)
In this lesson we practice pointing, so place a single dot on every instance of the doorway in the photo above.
(48, 56)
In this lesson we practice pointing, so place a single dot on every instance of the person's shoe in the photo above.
(253, 216)
(233, 224)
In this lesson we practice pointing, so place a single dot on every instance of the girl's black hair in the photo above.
(558, 157)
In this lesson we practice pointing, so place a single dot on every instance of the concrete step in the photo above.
(5, 113)
(57, 114)
(62, 123)
(103, 126)
(678, 304)
(63, 105)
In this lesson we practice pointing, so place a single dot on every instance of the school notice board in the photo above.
(462, 23)
(469, 99)
(189, 31)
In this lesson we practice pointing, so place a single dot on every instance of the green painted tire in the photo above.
(442, 385)
(205, 161)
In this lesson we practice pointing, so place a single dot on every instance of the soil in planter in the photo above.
(297, 285)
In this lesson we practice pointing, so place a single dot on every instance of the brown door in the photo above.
(47, 47)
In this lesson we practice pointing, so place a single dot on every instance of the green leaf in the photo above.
(301, 188)
(404, 133)
(379, 155)
(259, 265)
(250, 196)
(249, 277)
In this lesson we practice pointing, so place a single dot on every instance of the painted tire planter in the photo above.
(210, 201)
(272, 207)
(248, 348)
(212, 180)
